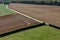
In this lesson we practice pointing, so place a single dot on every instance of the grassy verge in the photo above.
(4, 11)
(39, 33)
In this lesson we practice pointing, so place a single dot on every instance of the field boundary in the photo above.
(24, 15)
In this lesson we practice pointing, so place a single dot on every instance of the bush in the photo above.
(50, 3)
(6, 2)
(58, 3)
(43, 2)
(13, 2)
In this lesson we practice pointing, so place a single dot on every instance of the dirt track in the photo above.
(13, 22)
(46, 13)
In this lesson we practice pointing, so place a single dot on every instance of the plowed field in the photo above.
(15, 21)
(46, 13)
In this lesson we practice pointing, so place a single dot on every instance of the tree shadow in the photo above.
(19, 30)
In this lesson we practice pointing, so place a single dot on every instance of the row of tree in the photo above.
(41, 2)
(34, 2)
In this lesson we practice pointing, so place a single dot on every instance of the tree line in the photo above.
(34, 2)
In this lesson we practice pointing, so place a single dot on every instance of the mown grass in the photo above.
(4, 11)
(39, 33)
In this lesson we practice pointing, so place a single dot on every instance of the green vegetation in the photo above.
(4, 11)
(43, 2)
(39, 33)
(32, 0)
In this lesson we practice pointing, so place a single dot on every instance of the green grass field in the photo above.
(39, 33)
(4, 11)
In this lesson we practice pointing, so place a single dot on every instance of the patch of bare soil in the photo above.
(49, 14)
(15, 21)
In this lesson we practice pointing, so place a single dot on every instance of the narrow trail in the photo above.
(24, 15)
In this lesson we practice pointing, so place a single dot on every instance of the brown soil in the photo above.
(14, 21)
(46, 13)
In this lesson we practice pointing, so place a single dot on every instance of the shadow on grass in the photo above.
(19, 30)
(54, 26)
